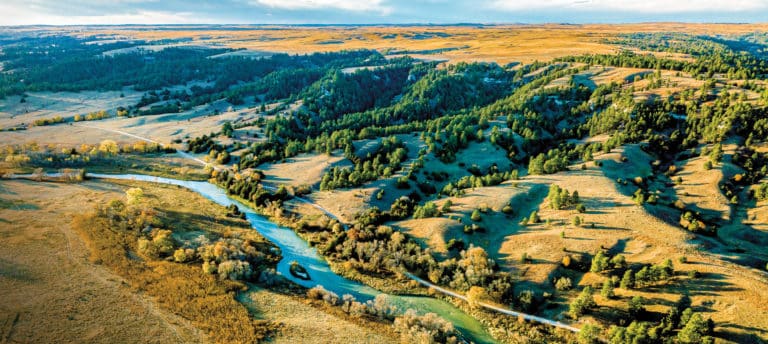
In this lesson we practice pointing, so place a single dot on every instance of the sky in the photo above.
(73, 12)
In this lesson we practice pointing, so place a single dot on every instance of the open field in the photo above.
(48, 269)
(728, 292)
(294, 316)
(52, 292)
(502, 44)
(41, 105)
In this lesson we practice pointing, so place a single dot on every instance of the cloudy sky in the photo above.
(28, 12)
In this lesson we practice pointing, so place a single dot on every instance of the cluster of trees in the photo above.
(372, 248)
(681, 324)
(203, 144)
(97, 115)
(383, 162)
(232, 256)
(560, 198)
(48, 121)
(494, 177)
(247, 187)
(413, 328)
(58, 156)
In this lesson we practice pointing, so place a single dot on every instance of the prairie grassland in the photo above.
(302, 322)
(731, 294)
(502, 43)
(77, 280)
(303, 169)
(41, 105)
(162, 128)
(52, 291)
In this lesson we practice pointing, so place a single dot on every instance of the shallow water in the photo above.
(296, 249)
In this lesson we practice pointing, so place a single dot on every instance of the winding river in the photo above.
(296, 249)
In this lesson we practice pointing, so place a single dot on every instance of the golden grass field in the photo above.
(498, 43)
(55, 292)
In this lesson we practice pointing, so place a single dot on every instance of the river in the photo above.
(296, 249)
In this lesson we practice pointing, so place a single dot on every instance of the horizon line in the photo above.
(399, 24)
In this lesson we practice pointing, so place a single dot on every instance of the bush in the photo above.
(563, 284)
(429, 209)
(428, 328)
(526, 301)
(476, 216)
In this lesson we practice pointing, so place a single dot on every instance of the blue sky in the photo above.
(28, 12)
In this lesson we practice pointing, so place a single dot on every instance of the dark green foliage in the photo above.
(386, 160)
(582, 304)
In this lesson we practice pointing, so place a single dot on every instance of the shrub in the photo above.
(428, 328)
(476, 215)
(563, 284)
(526, 300)
(429, 209)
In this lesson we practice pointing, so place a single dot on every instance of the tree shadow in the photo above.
(14, 271)
(732, 332)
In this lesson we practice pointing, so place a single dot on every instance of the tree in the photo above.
(628, 280)
(582, 304)
(227, 129)
(599, 262)
(534, 218)
(109, 147)
(589, 334)
(607, 290)
(475, 295)
(695, 331)
(446, 208)
(536, 165)
(635, 307)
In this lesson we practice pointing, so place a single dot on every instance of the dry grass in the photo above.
(502, 44)
(700, 188)
(303, 169)
(302, 322)
(52, 292)
(40, 105)
(731, 294)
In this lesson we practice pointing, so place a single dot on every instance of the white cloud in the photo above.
(346, 5)
(32, 15)
(641, 6)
